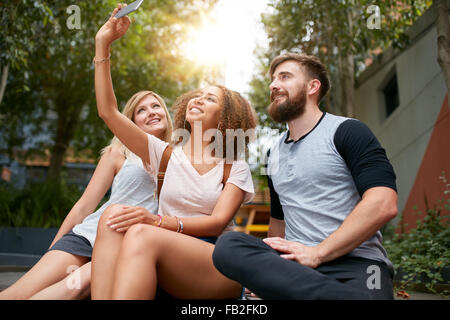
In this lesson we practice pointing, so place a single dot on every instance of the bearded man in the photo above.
(332, 189)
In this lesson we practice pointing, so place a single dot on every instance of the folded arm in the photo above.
(201, 226)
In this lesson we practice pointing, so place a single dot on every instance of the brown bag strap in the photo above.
(162, 167)
(226, 173)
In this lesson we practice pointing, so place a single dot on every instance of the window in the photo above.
(391, 97)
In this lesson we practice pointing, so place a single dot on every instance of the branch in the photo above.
(443, 39)
(3, 81)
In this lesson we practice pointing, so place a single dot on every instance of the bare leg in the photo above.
(75, 286)
(104, 256)
(180, 264)
(51, 268)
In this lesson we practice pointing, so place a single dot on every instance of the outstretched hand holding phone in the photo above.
(114, 28)
(135, 138)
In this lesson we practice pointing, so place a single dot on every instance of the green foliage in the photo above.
(49, 103)
(333, 31)
(259, 93)
(19, 35)
(422, 252)
(39, 205)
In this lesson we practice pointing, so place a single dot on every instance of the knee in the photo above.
(231, 240)
(78, 283)
(103, 227)
(138, 239)
(227, 248)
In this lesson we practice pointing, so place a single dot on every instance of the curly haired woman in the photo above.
(173, 250)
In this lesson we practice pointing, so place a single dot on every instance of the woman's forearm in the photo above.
(104, 92)
(199, 226)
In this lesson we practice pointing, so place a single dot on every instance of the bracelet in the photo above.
(94, 61)
(160, 221)
(178, 223)
(181, 225)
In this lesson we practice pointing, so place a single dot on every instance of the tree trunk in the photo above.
(3, 81)
(443, 41)
(67, 121)
(346, 69)
(348, 85)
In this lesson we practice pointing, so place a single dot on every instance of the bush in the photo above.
(422, 253)
(42, 205)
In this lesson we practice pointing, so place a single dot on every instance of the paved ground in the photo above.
(9, 275)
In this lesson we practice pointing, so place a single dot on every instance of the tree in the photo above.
(60, 103)
(343, 34)
(18, 20)
(443, 40)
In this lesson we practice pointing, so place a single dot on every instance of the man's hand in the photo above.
(128, 216)
(307, 256)
(114, 28)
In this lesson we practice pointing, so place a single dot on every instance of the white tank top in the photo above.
(133, 186)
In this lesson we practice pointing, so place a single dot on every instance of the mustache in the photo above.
(275, 94)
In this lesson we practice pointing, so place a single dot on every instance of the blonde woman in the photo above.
(173, 249)
(132, 185)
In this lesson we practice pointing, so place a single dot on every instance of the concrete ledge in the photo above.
(18, 260)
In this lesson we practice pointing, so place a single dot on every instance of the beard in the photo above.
(289, 109)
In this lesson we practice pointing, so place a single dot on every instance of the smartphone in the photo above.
(129, 8)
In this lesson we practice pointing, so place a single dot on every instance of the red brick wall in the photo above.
(435, 160)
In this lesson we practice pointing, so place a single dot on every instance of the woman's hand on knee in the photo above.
(121, 220)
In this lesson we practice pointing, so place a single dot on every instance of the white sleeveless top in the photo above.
(133, 186)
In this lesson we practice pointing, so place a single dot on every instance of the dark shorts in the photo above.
(74, 244)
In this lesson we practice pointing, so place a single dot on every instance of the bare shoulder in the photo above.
(114, 156)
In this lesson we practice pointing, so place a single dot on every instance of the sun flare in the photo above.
(207, 44)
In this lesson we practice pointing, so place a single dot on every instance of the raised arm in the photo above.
(122, 127)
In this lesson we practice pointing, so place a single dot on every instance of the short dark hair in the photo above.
(312, 65)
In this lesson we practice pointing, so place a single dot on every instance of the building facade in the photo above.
(402, 97)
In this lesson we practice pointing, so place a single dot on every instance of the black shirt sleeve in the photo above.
(364, 156)
(276, 211)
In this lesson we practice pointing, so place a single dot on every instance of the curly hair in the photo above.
(237, 114)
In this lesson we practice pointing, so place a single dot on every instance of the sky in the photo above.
(229, 37)
(247, 31)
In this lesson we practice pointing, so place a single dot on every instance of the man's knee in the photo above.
(226, 243)
(229, 247)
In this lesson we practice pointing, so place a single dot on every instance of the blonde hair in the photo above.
(128, 111)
